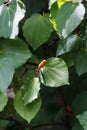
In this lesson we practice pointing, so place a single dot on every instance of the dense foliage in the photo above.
(43, 64)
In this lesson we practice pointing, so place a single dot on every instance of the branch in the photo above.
(31, 127)
(23, 124)
(47, 124)
(10, 119)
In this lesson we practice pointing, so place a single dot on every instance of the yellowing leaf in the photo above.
(54, 23)
(61, 2)
(53, 12)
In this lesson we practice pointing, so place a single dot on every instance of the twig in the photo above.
(47, 124)
(23, 124)
(10, 119)
(24, 72)
(31, 127)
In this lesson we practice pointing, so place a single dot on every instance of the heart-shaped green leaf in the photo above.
(10, 17)
(69, 16)
(13, 53)
(37, 29)
(29, 111)
(54, 73)
(61, 2)
(30, 90)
